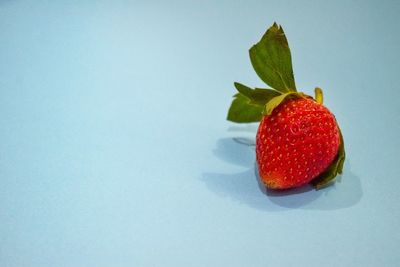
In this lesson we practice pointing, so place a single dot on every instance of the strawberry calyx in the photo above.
(276, 101)
(319, 96)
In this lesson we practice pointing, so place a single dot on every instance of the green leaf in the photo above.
(256, 96)
(276, 101)
(328, 176)
(249, 103)
(242, 110)
(272, 61)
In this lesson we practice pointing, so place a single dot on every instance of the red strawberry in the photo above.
(296, 143)
(298, 140)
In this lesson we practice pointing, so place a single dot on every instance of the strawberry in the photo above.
(298, 140)
(296, 143)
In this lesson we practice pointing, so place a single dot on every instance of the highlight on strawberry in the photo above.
(298, 139)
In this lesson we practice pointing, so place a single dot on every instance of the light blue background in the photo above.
(114, 149)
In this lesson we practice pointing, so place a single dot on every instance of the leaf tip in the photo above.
(319, 96)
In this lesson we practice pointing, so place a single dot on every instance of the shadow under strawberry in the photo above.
(247, 188)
